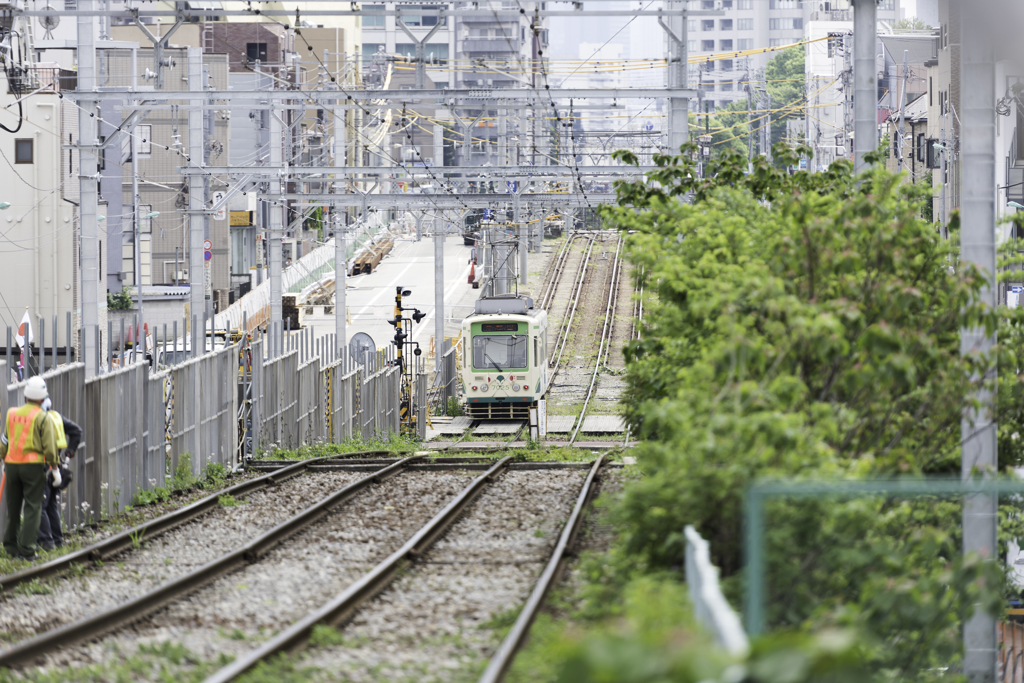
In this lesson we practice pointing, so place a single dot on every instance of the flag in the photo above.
(25, 330)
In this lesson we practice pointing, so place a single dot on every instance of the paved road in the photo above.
(371, 298)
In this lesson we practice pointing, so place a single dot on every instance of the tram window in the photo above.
(536, 356)
(499, 352)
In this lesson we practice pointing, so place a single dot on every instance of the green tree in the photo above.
(809, 325)
(786, 85)
(911, 24)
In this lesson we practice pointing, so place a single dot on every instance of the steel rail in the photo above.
(90, 627)
(371, 583)
(154, 527)
(503, 656)
(605, 345)
(556, 273)
(563, 330)
(634, 331)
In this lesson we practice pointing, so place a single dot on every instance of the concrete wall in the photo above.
(37, 250)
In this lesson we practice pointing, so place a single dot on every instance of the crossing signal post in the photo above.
(403, 329)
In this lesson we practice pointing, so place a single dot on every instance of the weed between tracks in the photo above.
(394, 443)
(167, 662)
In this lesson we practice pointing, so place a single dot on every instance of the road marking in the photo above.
(447, 299)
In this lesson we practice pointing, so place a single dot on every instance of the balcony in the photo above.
(490, 45)
(35, 77)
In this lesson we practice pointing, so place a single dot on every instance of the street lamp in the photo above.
(1015, 205)
(4, 205)
(100, 219)
(152, 214)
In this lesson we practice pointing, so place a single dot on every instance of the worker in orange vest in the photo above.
(28, 446)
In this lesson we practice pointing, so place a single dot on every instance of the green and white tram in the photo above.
(505, 365)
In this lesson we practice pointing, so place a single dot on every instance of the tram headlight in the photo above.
(515, 387)
(484, 388)
(474, 387)
(525, 387)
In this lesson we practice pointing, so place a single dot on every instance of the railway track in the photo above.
(484, 562)
(582, 341)
(221, 606)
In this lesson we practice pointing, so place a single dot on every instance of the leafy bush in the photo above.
(183, 478)
(809, 325)
(120, 301)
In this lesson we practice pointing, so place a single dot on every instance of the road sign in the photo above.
(1017, 289)
(207, 256)
(207, 245)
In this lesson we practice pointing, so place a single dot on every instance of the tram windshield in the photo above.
(500, 352)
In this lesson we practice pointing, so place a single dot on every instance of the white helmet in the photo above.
(35, 390)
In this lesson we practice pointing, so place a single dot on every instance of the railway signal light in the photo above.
(417, 316)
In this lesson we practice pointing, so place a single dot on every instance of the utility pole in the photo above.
(847, 91)
(439, 231)
(750, 120)
(676, 77)
(942, 175)
(865, 125)
(196, 202)
(89, 329)
(340, 246)
(903, 110)
(275, 232)
(977, 246)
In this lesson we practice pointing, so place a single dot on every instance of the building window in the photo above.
(691, 25)
(144, 140)
(145, 224)
(707, 46)
(745, 44)
(707, 4)
(745, 24)
(725, 65)
(433, 53)
(784, 4)
(254, 51)
(889, 5)
(725, 24)
(726, 4)
(707, 86)
(373, 22)
(23, 151)
(779, 42)
(726, 45)
(785, 24)
(691, 46)
(726, 86)
(101, 154)
(744, 4)
(707, 25)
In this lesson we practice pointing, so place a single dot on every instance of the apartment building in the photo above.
(754, 24)
(453, 50)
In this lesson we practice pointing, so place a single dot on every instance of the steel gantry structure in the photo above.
(358, 112)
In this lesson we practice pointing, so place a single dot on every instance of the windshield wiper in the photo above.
(491, 360)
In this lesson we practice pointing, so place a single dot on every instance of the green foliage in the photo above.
(157, 495)
(229, 501)
(120, 301)
(809, 325)
(454, 407)
(910, 24)
(394, 443)
(786, 81)
(183, 478)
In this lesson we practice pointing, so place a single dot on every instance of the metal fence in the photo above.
(1011, 652)
(214, 408)
(709, 605)
(446, 382)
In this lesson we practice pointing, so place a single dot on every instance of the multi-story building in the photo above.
(477, 51)
(754, 25)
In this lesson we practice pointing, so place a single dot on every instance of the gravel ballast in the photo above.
(69, 597)
(431, 625)
(239, 610)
